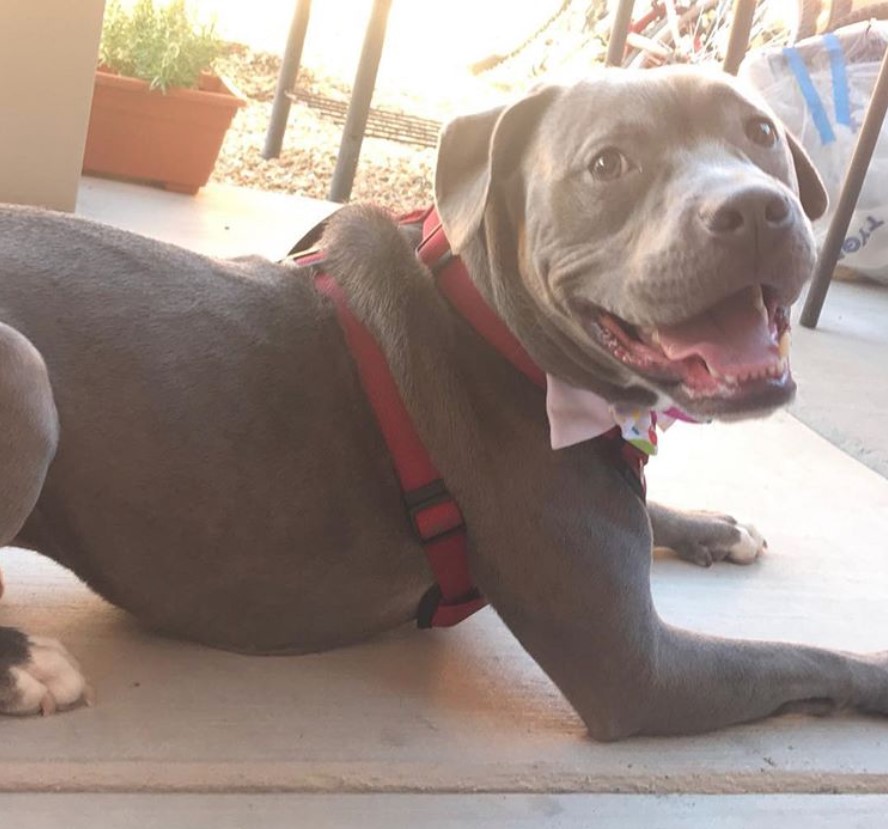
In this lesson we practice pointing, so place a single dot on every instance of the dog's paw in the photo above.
(748, 547)
(710, 537)
(45, 680)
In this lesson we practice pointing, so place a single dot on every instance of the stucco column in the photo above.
(48, 54)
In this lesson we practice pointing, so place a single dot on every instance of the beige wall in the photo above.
(47, 58)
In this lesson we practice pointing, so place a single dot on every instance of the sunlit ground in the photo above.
(429, 43)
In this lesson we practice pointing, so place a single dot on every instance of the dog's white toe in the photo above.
(749, 547)
(49, 680)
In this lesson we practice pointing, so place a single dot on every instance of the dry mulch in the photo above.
(395, 175)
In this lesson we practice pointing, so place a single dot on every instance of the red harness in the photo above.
(433, 513)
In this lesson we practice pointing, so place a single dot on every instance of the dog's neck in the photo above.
(453, 281)
(487, 268)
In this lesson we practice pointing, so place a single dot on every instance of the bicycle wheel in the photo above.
(699, 33)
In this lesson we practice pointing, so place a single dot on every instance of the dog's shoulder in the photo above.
(365, 248)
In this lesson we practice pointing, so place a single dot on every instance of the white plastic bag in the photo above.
(820, 88)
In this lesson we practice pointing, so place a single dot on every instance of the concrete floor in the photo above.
(460, 727)
(219, 221)
(842, 372)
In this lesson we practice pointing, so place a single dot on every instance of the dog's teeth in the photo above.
(777, 369)
(758, 302)
(783, 345)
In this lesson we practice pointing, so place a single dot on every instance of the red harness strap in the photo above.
(453, 281)
(434, 514)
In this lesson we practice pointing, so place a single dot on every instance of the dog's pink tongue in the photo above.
(733, 338)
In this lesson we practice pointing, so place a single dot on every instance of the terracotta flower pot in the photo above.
(170, 139)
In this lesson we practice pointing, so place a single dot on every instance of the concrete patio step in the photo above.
(443, 811)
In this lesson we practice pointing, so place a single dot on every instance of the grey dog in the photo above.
(190, 437)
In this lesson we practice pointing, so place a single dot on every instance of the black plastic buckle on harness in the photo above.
(428, 607)
(431, 601)
(422, 498)
(416, 501)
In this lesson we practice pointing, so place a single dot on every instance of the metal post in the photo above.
(277, 125)
(738, 41)
(359, 106)
(616, 47)
(851, 187)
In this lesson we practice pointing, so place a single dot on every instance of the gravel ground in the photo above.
(395, 175)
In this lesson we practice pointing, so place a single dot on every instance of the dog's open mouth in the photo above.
(735, 354)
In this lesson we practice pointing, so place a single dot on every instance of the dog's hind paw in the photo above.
(39, 675)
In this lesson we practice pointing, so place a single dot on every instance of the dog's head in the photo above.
(657, 224)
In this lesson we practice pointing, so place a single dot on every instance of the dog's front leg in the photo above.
(705, 537)
(574, 588)
(37, 674)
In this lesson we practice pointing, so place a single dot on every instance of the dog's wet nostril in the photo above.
(776, 210)
(725, 220)
(747, 212)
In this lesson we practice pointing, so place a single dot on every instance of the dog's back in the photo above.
(212, 433)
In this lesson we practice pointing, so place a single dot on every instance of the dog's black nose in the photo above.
(757, 213)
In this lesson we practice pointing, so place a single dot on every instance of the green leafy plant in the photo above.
(159, 43)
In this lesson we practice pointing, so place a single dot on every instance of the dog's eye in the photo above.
(609, 164)
(761, 131)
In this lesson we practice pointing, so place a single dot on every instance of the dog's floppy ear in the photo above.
(812, 193)
(472, 152)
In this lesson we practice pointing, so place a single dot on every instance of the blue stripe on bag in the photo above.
(839, 79)
(812, 99)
